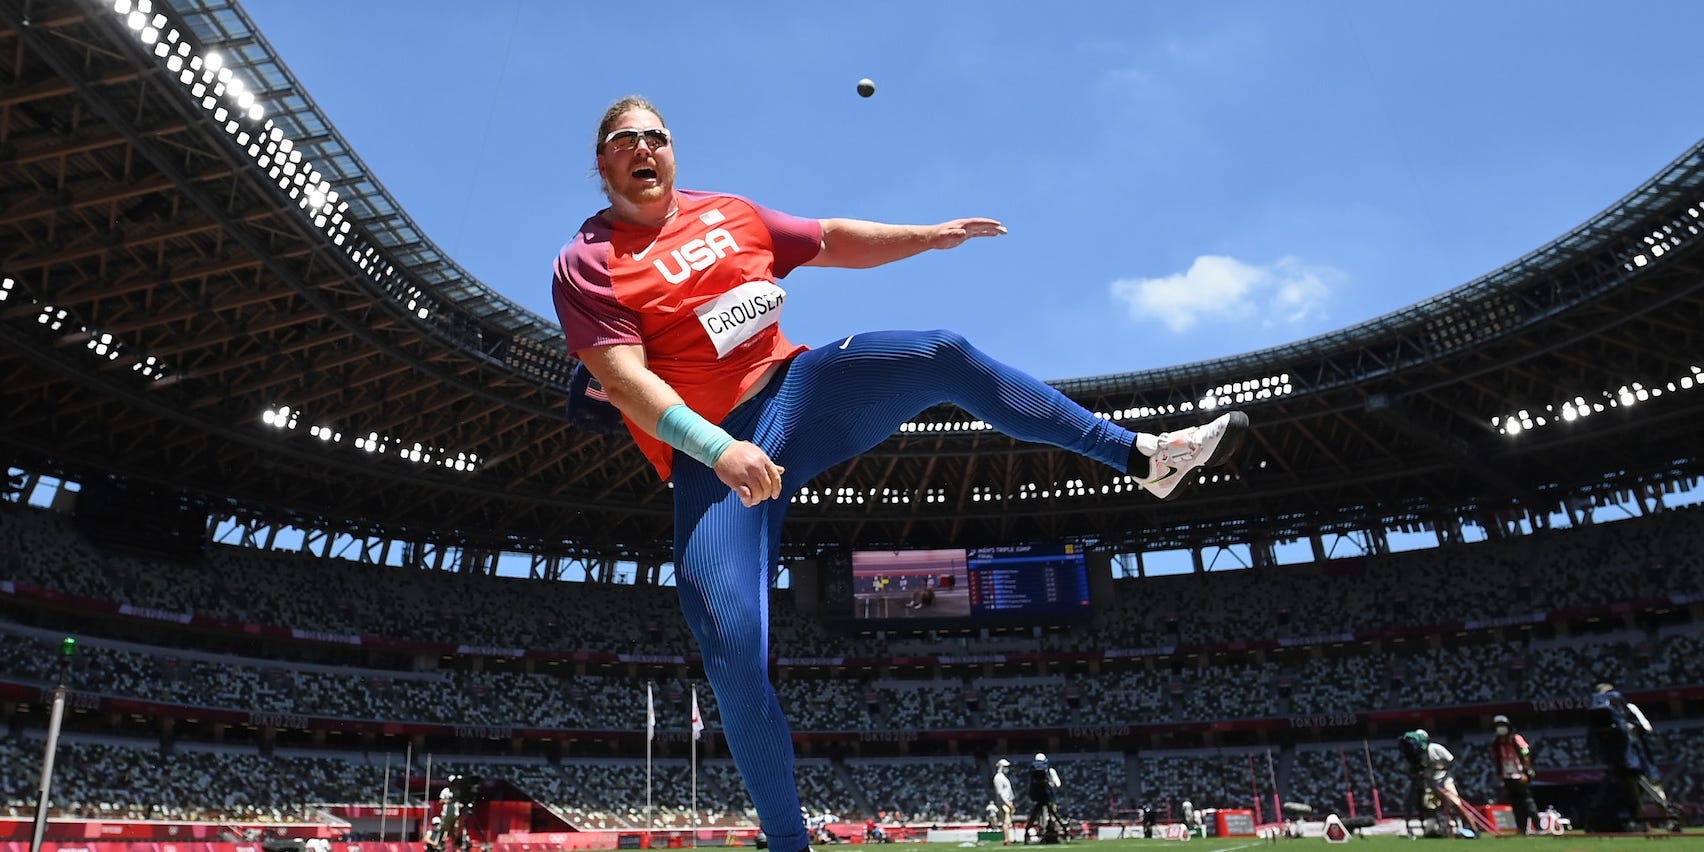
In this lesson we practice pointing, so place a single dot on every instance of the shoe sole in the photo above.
(1228, 445)
(1235, 431)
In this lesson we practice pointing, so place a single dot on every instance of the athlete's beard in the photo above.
(642, 192)
(647, 193)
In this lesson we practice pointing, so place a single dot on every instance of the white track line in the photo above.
(1230, 848)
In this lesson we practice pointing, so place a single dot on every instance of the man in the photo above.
(434, 835)
(818, 827)
(668, 298)
(1429, 764)
(1618, 733)
(1003, 800)
(1043, 792)
(448, 826)
(1513, 759)
(874, 833)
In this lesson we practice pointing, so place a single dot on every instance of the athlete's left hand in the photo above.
(953, 234)
(749, 471)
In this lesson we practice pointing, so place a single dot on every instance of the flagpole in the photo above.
(650, 733)
(697, 726)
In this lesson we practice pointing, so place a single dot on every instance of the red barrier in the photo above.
(176, 834)
(525, 842)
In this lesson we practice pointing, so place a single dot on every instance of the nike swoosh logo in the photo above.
(848, 341)
(1171, 471)
(640, 255)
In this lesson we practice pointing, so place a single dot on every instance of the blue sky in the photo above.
(1181, 181)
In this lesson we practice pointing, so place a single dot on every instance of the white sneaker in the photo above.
(1183, 451)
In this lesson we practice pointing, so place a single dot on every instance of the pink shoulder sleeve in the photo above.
(586, 303)
(796, 240)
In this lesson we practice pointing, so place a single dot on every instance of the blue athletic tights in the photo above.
(832, 404)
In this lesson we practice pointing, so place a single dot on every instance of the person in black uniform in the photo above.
(1043, 792)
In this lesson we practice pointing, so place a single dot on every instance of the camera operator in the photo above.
(449, 830)
(1619, 733)
(1043, 792)
(1429, 765)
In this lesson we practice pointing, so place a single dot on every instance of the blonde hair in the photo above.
(615, 111)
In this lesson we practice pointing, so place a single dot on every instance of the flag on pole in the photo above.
(697, 721)
(650, 714)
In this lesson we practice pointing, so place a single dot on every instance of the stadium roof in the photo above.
(205, 287)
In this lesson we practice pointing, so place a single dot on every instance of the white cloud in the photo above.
(1228, 290)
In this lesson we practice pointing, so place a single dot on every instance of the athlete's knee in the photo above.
(945, 343)
(944, 339)
(740, 668)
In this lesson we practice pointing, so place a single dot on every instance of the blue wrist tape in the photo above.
(682, 428)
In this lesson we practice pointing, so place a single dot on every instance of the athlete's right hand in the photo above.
(747, 469)
(952, 234)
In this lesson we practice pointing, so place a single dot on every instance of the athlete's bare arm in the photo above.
(859, 244)
(643, 396)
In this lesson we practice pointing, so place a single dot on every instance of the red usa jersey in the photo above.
(699, 294)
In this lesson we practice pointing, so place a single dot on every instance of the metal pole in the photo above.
(384, 806)
(695, 726)
(66, 649)
(1254, 792)
(1378, 812)
(1273, 774)
(407, 766)
(1348, 785)
(650, 732)
(426, 800)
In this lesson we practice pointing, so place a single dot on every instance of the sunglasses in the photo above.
(628, 140)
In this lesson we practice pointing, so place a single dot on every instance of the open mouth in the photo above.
(645, 174)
